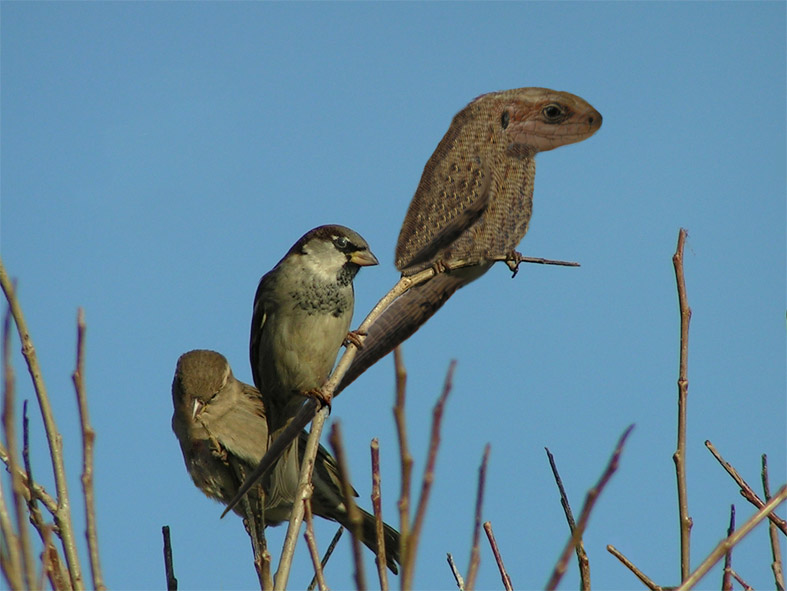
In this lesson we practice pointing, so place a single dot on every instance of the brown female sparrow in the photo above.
(221, 425)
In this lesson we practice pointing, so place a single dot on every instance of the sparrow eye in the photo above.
(504, 119)
(554, 113)
(341, 242)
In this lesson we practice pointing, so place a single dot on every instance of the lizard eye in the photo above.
(504, 119)
(553, 113)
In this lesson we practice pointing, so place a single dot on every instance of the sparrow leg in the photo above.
(320, 396)
(355, 337)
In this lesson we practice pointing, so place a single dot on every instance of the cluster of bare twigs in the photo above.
(59, 561)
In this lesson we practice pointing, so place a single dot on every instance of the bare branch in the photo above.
(475, 552)
(377, 507)
(172, 582)
(88, 437)
(63, 514)
(776, 565)
(590, 501)
(498, 558)
(327, 555)
(311, 543)
(726, 582)
(628, 564)
(679, 457)
(746, 491)
(730, 541)
(582, 557)
(406, 463)
(460, 583)
(352, 509)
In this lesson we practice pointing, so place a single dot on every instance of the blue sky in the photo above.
(159, 158)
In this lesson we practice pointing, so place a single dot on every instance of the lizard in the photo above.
(473, 202)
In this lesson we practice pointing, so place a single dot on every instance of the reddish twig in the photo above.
(475, 551)
(746, 491)
(584, 516)
(582, 557)
(311, 543)
(679, 457)
(776, 553)
(498, 558)
(406, 460)
(649, 583)
(726, 582)
(327, 555)
(377, 507)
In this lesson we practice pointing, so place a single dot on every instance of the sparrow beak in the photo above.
(195, 408)
(363, 258)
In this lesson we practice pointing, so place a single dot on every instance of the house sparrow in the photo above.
(221, 425)
(302, 313)
(474, 201)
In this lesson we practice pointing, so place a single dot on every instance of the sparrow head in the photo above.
(332, 253)
(199, 376)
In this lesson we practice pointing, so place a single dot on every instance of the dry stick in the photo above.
(327, 555)
(88, 438)
(498, 558)
(587, 507)
(746, 491)
(311, 543)
(738, 578)
(459, 581)
(169, 570)
(428, 479)
(17, 488)
(406, 462)
(310, 409)
(649, 583)
(258, 544)
(726, 582)
(352, 509)
(582, 557)
(63, 513)
(730, 541)
(475, 552)
(776, 565)
(31, 488)
(36, 518)
(377, 508)
(679, 457)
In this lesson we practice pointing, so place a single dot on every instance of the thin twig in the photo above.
(649, 583)
(88, 438)
(377, 508)
(679, 457)
(460, 583)
(726, 582)
(353, 513)
(776, 553)
(475, 551)
(428, 479)
(311, 543)
(746, 491)
(63, 514)
(498, 557)
(406, 463)
(730, 541)
(17, 488)
(587, 507)
(327, 555)
(31, 489)
(169, 570)
(743, 583)
(582, 557)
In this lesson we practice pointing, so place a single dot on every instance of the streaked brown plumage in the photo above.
(474, 201)
(221, 425)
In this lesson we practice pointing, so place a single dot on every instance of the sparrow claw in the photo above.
(513, 260)
(355, 337)
(321, 397)
(439, 267)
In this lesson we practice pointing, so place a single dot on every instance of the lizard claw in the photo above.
(513, 260)
(321, 397)
(356, 338)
